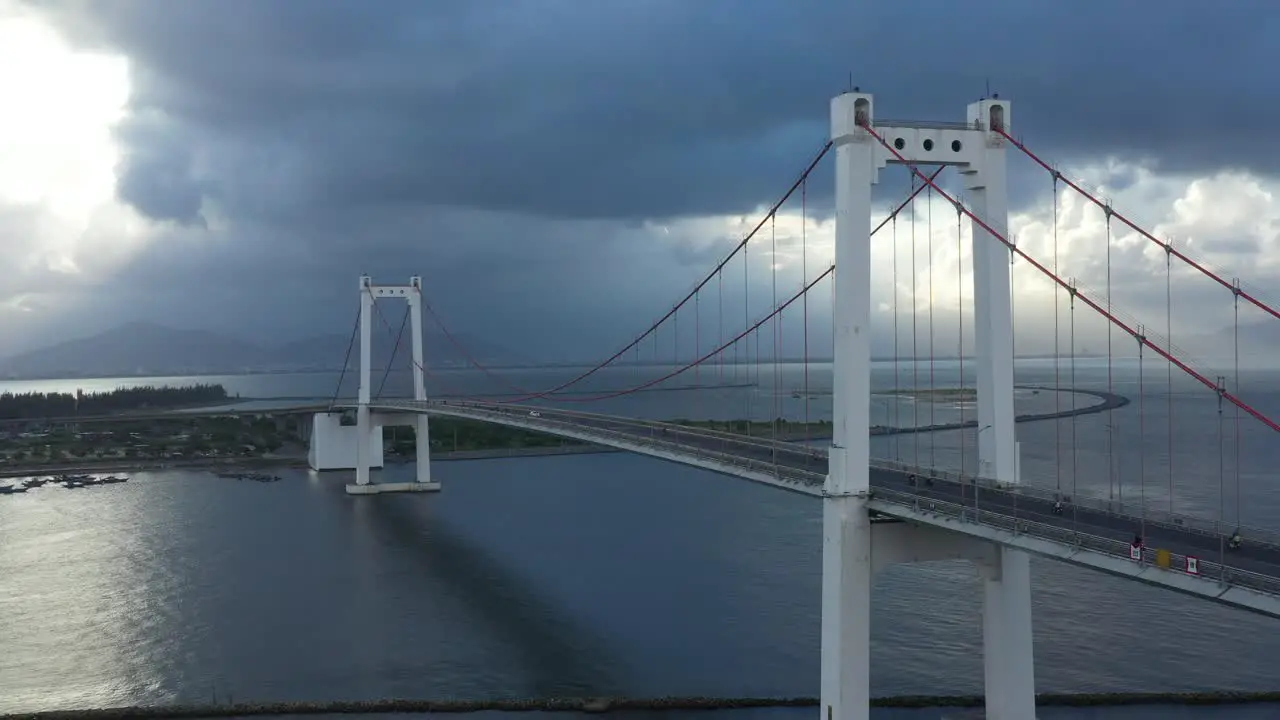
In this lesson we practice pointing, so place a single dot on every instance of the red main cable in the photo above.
(698, 361)
(1142, 339)
(1167, 247)
(715, 271)
(527, 395)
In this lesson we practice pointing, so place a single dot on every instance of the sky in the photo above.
(560, 172)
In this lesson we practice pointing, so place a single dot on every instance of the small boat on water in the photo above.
(72, 482)
(12, 489)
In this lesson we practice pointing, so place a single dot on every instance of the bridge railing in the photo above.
(803, 479)
(1151, 516)
(814, 459)
(814, 456)
(1208, 569)
(781, 446)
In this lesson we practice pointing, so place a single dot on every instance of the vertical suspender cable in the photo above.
(1168, 338)
(897, 382)
(915, 336)
(1236, 352)
(720, 325)
(1057, 382)
(1013, 350)
(804, 282)
(749, 395)
(1222, 478)
(933, 390)
(1115, 486)
(697, 352)
(773, 263)
(757, 333)
(675, 337)
(1071, 292)
(960, 320)
(1142, 438)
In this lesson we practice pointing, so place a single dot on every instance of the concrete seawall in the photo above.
(606, 704)
(1110, 401)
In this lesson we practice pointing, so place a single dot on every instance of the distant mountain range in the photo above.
(141, 349)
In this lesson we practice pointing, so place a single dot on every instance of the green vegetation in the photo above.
(52, 405)
(69, 443)
(453, 434)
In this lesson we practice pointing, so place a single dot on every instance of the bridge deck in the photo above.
(1088, 523)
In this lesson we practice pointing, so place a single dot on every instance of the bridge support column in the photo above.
(846, 524)
(1007, 646)
(365, 425)
(421, 431)
(1007, 629)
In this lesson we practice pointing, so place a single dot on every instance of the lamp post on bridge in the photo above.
(984, 466)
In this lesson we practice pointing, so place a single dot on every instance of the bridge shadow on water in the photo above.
(558, 655)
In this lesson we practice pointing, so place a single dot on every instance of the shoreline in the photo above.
(606, 704)
(289, 462)
(1110, 401)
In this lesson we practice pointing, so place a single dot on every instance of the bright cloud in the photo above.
(538, 192)
(60, 224)
(1229, 222)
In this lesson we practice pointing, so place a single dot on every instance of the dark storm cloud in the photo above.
(560, 290)
(649, 110)
(510, 152)
(155, 174)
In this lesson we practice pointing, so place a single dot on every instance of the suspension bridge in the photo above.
(883, 511)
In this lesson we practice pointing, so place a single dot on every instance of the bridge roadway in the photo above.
(1081, 523)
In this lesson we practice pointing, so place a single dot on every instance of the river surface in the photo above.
(604, 574)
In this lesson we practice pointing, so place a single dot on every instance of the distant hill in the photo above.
(138, 349)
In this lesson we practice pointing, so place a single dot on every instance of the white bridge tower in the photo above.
(335, 446)
(853, 549)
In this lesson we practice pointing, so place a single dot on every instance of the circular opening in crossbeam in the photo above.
(899, 143)
(955, 146)
(928, 144)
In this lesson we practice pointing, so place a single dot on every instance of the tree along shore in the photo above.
(149, 397)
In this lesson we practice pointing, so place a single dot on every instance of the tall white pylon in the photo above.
(847, 551)
(1009, 660)
(369, 424)
(846, 523)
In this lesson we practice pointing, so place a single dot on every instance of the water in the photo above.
(588, 574)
